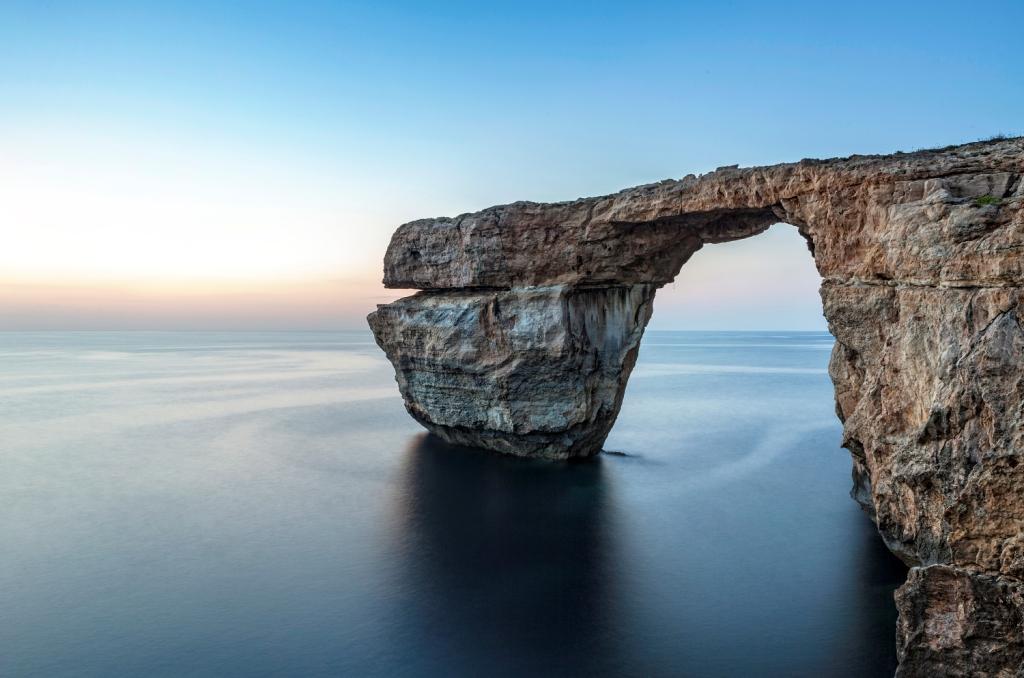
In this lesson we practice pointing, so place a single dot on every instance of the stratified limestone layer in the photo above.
(529, 324)
(548, 365)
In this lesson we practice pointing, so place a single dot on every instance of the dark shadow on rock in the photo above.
(506, 563)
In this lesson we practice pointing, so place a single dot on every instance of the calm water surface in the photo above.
(236, 504)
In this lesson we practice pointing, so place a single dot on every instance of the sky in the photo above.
(240, 165)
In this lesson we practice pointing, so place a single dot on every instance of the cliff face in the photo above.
(531, 317)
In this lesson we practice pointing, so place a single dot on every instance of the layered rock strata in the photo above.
(531, 316)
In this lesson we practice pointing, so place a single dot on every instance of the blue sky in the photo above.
(179, 164)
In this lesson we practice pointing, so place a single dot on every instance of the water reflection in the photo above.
(877, 575)
(515, 567)
(508, 563)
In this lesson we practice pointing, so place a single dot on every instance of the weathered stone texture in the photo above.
(532, 314)
(906, 217)
(548, 365)
(955, 622)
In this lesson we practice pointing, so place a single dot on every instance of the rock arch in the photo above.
(530, 318)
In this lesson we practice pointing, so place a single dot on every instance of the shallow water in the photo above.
(257, 504)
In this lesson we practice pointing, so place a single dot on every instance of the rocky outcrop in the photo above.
(531, 316)
(546, 366)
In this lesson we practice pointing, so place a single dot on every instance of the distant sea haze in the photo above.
(247, 504)
(764, 282)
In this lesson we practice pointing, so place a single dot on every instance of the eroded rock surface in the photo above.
(546, 366)
(957, 622)
(531, 317)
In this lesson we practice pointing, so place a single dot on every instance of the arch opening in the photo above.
(765, 281)
(728, 419)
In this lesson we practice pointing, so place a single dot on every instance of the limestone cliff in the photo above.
(532, 314)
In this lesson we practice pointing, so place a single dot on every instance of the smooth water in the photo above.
(241, 504)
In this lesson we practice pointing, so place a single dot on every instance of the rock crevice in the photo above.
(531, 316)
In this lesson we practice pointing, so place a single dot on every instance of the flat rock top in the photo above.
(589, 240)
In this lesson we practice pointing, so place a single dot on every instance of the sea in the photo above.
(190, 504)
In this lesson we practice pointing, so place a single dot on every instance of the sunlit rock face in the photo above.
(531, 316)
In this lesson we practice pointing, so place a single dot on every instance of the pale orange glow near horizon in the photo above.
(211, 305)
(88, 209)
(173, 233)
(113, 231)
(728, 286)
